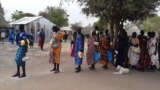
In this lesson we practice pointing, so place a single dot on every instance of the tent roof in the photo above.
(66, 29)
(25, 20)
(133, 29)
(87, 30)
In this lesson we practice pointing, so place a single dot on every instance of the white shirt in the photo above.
(3, 34)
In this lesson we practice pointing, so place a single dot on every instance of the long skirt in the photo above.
(103, 59)
(144, 61)
(19, 56)
(154, 60)
(56, 55)
(133, 57)
(73, 51)
(90, 55)
(41, 43)
(121, 56)
(52, 56)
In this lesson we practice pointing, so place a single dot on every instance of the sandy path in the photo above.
(40, 78)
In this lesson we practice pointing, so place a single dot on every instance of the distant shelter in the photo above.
(36, 24)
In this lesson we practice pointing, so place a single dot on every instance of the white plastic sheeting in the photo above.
(35, 23)
(25, 20)
(65, 29)
(133, 29)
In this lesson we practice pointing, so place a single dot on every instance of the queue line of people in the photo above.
(136, 52)
(95, 43)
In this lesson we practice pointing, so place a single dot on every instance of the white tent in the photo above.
(25, 20)
(65, 29)
(35, 23)
(133, 29)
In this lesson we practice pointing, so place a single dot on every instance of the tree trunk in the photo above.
(117, 27)
(112, 29)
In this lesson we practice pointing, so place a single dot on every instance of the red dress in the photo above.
(144, 60)
(73, 49)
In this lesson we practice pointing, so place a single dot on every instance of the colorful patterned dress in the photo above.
(144, 60)
(91, 49)
(21, 51)
(152, 44)
(103, 48)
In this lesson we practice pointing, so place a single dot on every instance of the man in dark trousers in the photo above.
(41, 39)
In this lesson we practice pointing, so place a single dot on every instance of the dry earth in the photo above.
(39, 76)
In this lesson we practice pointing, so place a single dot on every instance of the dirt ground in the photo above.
(39, 76)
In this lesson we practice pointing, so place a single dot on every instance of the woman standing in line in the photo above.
(92, 48)
(103, 48)
(56, 48)
(122, 46)
(153, 51)
(134, 51)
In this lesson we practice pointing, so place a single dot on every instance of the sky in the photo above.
(34, 6)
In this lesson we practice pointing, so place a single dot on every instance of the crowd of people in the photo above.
(23, 40)
(138, 52)
(15, 34)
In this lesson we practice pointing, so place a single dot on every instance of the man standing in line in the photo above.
(41, 39)
(79, 50)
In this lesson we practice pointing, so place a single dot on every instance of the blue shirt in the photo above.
(22, 36)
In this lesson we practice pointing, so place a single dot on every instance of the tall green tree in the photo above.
(44, 14)
(151, 24)
(56, 15)
(17, 15)
(76, 25)
(118, 11)
(20, 14)
(2, 19)
(101, 23)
